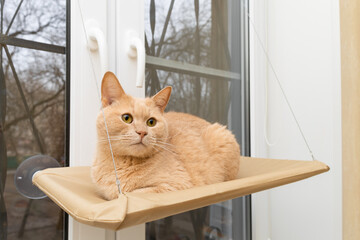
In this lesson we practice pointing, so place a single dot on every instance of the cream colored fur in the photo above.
(179, 152)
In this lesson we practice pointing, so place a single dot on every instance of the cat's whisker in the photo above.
(155, 148)
(155, 140)
(121, 135)
(113, 140)
(169, 137)
(159, 139)
(164, 138)
(128, 142)
(118, 138)
(159, 150)
(164, 143)
(166, 149)
(172, 145)
(105, 139)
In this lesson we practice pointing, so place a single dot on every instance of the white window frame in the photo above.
(108, 16)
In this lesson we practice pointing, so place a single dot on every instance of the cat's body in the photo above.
(180, 151)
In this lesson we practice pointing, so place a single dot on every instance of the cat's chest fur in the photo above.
(161, 169)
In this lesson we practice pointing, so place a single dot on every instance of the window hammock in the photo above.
(72, 189)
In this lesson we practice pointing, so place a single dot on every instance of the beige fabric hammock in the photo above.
(72, 189)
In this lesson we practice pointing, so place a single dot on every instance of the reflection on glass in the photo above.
(202, 33)
(34, 80)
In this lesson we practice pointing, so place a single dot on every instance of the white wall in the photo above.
(303, 42)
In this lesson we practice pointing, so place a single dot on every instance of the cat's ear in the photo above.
(161, 99)
(111, 89)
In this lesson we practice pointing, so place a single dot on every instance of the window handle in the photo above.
(136, 49)
(97, 42)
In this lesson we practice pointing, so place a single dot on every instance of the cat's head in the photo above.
(136, 125)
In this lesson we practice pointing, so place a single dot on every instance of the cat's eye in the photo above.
(151, 122)
(127, 118)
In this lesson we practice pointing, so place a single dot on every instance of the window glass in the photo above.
(204, 45)
(36, 20)
(32, 110)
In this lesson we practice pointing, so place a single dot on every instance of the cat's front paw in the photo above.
(108, 193)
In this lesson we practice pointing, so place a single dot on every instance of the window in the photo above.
(200, 48)
(33, 109)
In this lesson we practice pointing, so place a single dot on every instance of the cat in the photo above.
(156, 151)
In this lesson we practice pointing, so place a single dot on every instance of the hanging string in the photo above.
(101, 106)
(277, 78)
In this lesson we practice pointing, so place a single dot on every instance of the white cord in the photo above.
(270, 144)
(101, 106)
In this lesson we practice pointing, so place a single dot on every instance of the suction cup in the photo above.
(25, 172)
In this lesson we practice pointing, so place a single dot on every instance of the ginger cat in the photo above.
(156, 151)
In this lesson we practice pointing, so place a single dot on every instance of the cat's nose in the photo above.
(141, 133)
